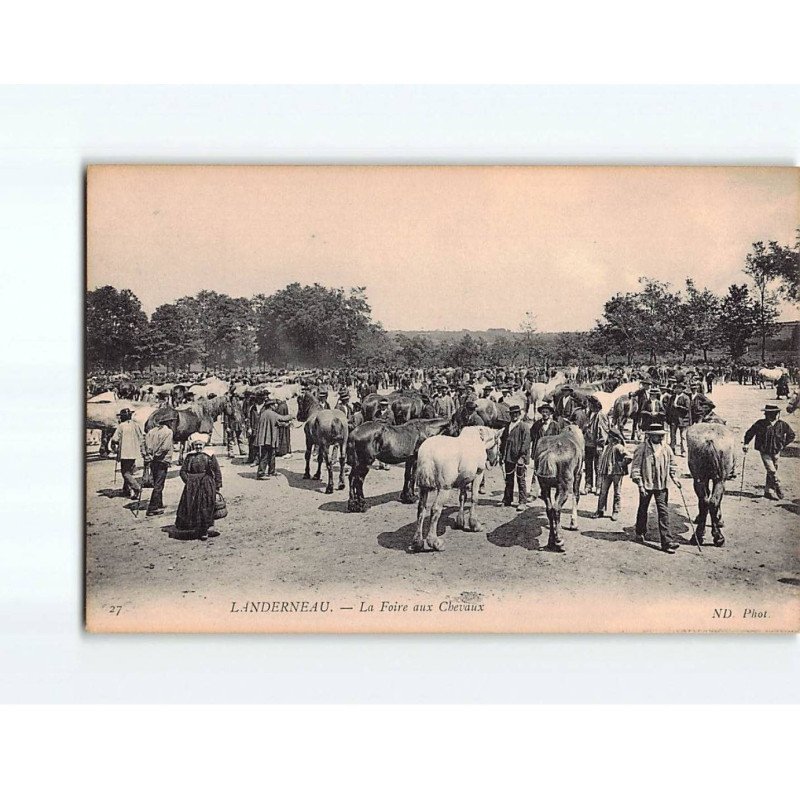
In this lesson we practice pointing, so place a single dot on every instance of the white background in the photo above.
(49, 135)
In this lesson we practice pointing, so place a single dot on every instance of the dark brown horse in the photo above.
(405, 405)
(325, 428)
(390, 444)
(197, 418)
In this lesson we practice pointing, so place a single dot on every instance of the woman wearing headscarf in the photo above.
(203, 479)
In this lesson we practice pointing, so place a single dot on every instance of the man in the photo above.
(358, 416)
(428, 411)
(127, 443)
(267, 438)
(772, 435)
(699, 404)
(612, 466)
(652, 411)
(443, 404)
(469, 416)
(515, 445)
(157, 452)
(565, 405)
(595, 433)
(343, 403)
(679, 418)
(546, 426)
(253, 414)
(384, 413)
(653, 466)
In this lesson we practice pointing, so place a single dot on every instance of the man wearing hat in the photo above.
(469, 415)
(772, 435)
(267, 435)
(428, 411)
(358, 415)
(384, 413)
(565, 406)
(652, 468)
(652, 411)
(699, 404)
(515, 445)
(443, 404)
(679, 418)
(127, 442)
(255, 407)
(546, 426)
(343, 403)
(612, 466)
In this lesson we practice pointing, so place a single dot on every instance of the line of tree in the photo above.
(320, 326)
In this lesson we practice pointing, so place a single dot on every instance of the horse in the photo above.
(539, 392)
(559, 466)
(794, 402)
(405, 405)
(771, 375)
(198, 417)
(209, 387)
(712, 460)
(390, 444)
(103, 415)
(323, 428)
(445, 462)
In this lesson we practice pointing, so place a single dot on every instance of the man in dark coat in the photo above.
(428, 411)
(772, 435)
(641, 397)
(256, 406)
(515, 444)
(267, 437)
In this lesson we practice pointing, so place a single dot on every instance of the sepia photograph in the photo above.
(478, 399)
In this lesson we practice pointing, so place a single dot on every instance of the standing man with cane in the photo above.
(127, 441)
(653, 466)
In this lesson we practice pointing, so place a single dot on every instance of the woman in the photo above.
(203, 479)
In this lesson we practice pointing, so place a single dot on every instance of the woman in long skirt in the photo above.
(284, 446)
(203, 479)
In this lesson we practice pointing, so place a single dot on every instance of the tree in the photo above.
(762, 266)
(738, 320)
(114, 323)
(700, 320)
(527, 328)
(621, 325)
(414, 350)
(787, 268)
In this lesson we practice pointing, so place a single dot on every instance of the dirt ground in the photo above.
(285, 539)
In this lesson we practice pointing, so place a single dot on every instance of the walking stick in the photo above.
(688, 515)
(741, 488)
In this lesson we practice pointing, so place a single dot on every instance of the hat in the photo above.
(383, 402)
(344, 393)
(545, 407)
(655, 390)
(125, 413)
(272, 401)
(471, 404)
(198, 438)
(769, 408)
(514, 408)
(655, 427)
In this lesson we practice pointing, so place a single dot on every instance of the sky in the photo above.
(436, 247)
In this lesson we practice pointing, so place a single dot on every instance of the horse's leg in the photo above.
(576, 496)
(434, 542)
(462, 501)
(342, 458)
(422, 508)
(407, 495)
(715, 506)
(474, 523)
(322, 454)
(352, 501)
(329, 467)
(701, 490)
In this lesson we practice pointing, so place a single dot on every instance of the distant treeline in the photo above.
(329, 327)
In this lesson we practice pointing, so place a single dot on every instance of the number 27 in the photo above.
(115, 610)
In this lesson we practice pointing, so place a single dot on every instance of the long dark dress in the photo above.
(202, 476)
(284, 445)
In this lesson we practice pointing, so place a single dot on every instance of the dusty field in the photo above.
(284, 539)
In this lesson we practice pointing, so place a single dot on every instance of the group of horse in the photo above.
(438, 454)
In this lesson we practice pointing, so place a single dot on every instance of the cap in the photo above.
(514, 408)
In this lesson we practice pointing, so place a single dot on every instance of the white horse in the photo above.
(772, 375)
(446, 462)
(215, 386)
(539, 392)
(607, 399)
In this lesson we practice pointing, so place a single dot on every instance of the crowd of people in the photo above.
(668, 402)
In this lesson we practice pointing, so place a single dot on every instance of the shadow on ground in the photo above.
(523, 530)
(402, 537)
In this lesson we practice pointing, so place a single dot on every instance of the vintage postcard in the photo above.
(442, 399)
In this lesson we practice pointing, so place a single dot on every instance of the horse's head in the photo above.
(491, 440)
